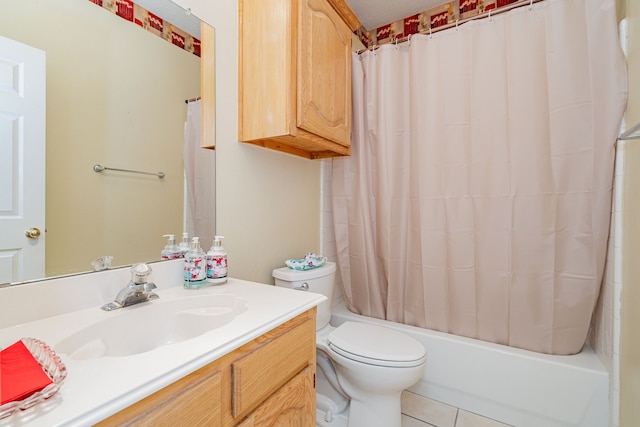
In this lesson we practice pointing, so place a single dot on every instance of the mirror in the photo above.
(115, 96)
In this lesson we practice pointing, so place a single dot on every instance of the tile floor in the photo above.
(419, 411)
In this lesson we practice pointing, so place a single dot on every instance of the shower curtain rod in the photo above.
(459, 22)
(186, 101)
(630, 134)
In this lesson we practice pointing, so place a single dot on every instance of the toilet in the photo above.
(362, 368)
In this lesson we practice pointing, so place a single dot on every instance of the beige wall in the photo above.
(115, 96)
(630, 311)
(267, 203)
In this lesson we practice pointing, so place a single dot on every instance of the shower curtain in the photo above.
(199, 167)
(477, 199)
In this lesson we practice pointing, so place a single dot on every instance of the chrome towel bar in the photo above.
(100, 168)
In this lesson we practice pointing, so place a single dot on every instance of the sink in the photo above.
(144, 327)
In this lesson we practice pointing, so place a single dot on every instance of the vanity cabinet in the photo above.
(268, 381)
(295, 76)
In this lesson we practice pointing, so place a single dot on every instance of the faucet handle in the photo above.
(139, 273)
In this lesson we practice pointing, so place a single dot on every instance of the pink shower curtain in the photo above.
(477, 199)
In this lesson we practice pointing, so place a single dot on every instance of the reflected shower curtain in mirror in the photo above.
(199, 167)
(477, 199)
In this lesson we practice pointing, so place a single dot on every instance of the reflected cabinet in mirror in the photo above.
(115, 96)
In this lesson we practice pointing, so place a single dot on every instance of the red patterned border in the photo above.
(130, 11)
(446, 13)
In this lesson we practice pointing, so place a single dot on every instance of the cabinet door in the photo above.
(324, 72)
(267, 367)
(293, 405)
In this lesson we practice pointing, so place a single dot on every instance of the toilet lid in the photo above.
(376, 345)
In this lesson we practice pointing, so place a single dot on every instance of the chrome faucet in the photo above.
(137, 290)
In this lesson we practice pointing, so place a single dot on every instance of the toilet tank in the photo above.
(320, 280)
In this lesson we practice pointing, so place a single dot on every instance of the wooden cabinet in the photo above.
(193, 401)
(295, 75)
(208, 86)
(268, 381)
(292, 405)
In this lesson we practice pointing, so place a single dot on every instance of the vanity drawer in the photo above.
(193, 400)
(259, 373)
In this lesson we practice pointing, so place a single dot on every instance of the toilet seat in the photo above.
(376, 345)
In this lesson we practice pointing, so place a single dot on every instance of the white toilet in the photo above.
(363, 366)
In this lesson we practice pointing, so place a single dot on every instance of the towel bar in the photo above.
(100, 168)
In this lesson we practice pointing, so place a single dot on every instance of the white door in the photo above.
(22, 161)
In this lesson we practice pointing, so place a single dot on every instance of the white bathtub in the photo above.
(518, 387)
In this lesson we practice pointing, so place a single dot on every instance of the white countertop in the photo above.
(97, 388)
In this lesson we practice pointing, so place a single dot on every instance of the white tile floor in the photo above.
(419, 411)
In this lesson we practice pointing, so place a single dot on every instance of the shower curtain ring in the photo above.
(456, 25)
(490, 20)
(530, 4)
(430, 32)
(409, 39)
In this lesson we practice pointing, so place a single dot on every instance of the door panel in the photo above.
(22, 160)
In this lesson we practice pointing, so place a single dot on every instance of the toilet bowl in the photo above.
(362, 368)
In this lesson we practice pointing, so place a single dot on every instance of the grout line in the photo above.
(455, 421)
(418, 419)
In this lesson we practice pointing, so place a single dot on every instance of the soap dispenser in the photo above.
(195, 266)
(171, 250)
(217, 262)
(184, 246)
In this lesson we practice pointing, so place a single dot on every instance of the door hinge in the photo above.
(314, 380)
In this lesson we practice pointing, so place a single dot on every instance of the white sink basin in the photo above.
(144, 327)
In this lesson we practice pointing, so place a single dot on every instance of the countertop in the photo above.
(97, 388)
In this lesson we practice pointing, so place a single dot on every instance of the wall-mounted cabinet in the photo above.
(295, 76)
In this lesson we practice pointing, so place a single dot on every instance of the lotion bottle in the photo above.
(217, 262)
(184, 246)
(171, 250)
(195, 266)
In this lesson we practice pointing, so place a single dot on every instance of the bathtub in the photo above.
(517, 387)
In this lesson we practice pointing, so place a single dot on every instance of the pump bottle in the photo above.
(195, 266)
(184, 246)
(217, 262)
(171, 250)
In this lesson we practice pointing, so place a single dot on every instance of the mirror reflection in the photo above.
(115, 96)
